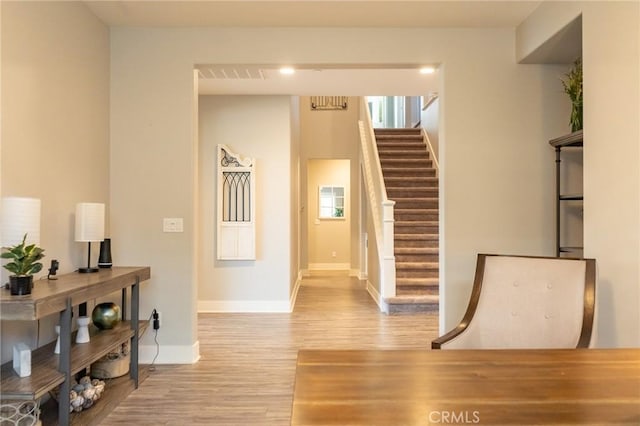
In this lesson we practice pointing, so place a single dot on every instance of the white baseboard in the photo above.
(384, 307)
(362, 276)
(294, 293)
(169, 354)
(243, 306)
(329, 266)
(354, 273)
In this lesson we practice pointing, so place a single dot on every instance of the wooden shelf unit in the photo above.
(49, 370)
(572, 140)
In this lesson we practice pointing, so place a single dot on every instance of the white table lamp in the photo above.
(89, 228)
(20, 216)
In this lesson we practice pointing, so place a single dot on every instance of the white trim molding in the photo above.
(373, 292)
(329, 267)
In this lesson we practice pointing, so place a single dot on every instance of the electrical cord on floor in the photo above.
(152, 367)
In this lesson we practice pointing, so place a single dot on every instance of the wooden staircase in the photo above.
(411, 182)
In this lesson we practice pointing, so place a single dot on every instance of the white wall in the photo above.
(611, 57)
(55, 129)
(430, 121)
(258, 127)
(497, 113)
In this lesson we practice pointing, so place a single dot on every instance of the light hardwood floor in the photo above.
(247, 367)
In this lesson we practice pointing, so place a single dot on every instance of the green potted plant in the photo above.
(23, 264)
(573, 88)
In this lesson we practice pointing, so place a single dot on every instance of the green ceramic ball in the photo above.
(106, 315)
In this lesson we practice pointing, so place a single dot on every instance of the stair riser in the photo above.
(417, 216)
(419, 182)
(394, 193)
(403, 172)
(386, 136)
(412, 181)
(408, 309)
(416, 243)
(403, 155)
(416, 204)
(405, 162)
(421, 229)
(416, 290)
(433, 258)
(420, 273)
(401, 145)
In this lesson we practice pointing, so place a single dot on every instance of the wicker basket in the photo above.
(20, 413)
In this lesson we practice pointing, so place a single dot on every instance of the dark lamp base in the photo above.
(87, 270)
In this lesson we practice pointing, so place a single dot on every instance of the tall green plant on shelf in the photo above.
(573, 87)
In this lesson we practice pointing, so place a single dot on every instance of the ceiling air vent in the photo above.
(231, 73)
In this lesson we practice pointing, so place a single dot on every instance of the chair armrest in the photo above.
(443, 340)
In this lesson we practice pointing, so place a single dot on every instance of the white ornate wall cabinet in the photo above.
(236, 206)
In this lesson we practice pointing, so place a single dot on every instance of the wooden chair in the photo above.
(521, 302)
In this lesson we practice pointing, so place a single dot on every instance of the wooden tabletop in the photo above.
(516, 387)
(50, 296)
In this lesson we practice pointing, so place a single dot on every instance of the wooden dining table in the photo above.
(486, 387)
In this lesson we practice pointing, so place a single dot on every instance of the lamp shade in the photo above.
(20, 216)
(89, 222)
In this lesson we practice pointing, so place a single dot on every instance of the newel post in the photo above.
(388, 286)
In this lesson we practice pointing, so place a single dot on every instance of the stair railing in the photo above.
(381, 207)
(432, 153)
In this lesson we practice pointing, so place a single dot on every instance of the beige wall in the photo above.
(496, 113)
(258, 127)
(329, 236)
(611, 57)
(55, 128)
(330, 135)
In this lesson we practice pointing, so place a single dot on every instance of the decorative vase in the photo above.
(104, 261)
(106, 315)
(83, 330)
(576, 117)
(21, 284)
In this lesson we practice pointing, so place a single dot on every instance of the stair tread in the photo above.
(414, 265)
(411, 178)
(402, 151)
(412, 298)
(417, 222)
(416, 210)
(416, 250)
(416, 236)
(415, 281)
(415, 199)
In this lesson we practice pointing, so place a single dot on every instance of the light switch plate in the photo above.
(172, 224)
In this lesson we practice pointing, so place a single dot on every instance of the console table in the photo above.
(49, 370)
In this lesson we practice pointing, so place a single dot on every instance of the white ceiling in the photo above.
(343, 80)
(314, 13)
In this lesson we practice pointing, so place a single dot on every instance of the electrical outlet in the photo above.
(333, 254)
(155, 319)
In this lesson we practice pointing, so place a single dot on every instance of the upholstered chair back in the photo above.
(527, 302)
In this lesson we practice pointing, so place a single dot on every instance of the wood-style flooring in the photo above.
(247, 368)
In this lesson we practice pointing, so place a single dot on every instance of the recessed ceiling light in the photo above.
(427, 70)
(287, 70)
